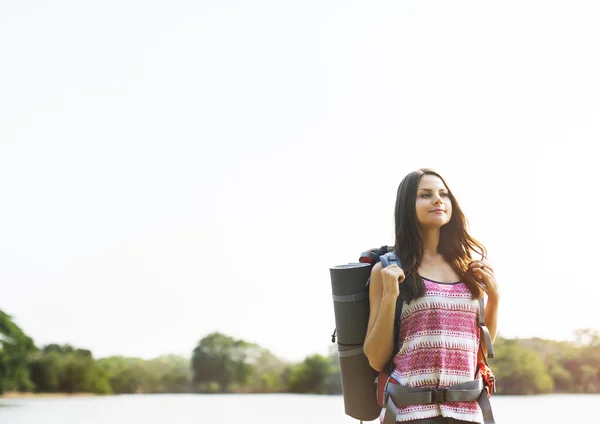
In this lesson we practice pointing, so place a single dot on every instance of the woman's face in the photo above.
(433, 205)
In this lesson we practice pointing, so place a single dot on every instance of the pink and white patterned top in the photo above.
(440, 341)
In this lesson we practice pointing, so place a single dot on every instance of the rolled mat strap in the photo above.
(350, 297)
(347, 353)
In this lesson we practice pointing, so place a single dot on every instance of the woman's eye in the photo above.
(444, 194)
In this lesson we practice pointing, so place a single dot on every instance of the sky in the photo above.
(171, 169)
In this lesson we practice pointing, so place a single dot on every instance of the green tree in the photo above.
(563, 380)
(581, 361)
(267, 373)
(520, 370)
(15, 347)
(81, 374)
(222, 360)
(173, 373)
(125, 375)
(310, 376)
(45, 370)
(65, 369)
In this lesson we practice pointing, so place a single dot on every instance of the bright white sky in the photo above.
(169, 169)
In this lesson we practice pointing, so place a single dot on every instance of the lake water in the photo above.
(263, 409)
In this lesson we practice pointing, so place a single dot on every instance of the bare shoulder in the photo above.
(376, 274)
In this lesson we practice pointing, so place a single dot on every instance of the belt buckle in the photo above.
(438, 395)
(492, 382)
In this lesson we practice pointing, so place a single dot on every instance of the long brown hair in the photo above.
(456, 244)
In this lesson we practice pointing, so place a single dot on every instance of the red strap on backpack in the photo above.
(383, 379)
(486, 374)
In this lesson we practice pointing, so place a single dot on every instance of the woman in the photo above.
(440, 285)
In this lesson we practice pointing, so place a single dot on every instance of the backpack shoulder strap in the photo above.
(387, 260)
(485, 337)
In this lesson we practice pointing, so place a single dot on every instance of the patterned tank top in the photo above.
(440, 341)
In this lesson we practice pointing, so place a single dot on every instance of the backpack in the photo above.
(350, 290)
(363, 388)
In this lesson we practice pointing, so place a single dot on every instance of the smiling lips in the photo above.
(438, 210)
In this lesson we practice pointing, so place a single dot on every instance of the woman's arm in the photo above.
(379, 341)
(491, 315)
(484, 272)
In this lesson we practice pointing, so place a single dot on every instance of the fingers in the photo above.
(392, 268)
(394, 271)
(482, 265)
(481, 273)
(482, 269)
(486, 277)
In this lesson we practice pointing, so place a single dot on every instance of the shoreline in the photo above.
(24, 395)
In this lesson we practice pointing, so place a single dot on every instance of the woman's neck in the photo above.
(431, 241)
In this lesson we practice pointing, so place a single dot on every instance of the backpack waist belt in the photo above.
(463, 392)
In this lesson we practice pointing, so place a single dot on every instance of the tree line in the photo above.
(223, 364)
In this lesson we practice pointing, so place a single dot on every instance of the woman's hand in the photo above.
(485, 273)
(391, 277)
